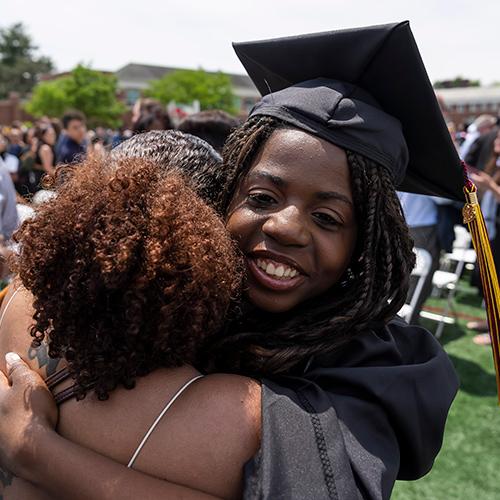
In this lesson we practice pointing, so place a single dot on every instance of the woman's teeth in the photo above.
(277, 270)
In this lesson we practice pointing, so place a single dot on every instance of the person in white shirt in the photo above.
(9, 161)
(8, 210)
(482, 125)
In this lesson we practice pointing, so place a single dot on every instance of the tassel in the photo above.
(473, 217)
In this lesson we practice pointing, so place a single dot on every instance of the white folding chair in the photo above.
(421, 270)
(446, 278)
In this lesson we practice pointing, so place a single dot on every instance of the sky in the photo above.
(455, 37)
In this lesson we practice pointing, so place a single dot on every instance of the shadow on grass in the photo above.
(450, 332)
(469, 299)
(474, 379)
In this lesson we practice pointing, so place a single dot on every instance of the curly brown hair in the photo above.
(130, 271)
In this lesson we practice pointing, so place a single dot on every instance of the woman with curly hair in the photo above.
(352, 397)
(128, 272)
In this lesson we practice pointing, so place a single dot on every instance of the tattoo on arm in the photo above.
(41, 354)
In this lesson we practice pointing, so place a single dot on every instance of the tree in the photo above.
(212, 90)
(456, 82)
(19, 68)
(89, 91)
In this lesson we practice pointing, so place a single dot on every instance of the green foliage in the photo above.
(89, 91)
(456, 82)
(212, 90)
(19, 68)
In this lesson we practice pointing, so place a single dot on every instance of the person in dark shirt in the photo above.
(16, 146)
(71, 145)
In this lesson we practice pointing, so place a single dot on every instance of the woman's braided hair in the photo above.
(381, 268)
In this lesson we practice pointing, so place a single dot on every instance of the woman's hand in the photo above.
(485, 182)
(482, 180)
(26, 409)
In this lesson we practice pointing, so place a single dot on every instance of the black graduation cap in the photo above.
(363, 89)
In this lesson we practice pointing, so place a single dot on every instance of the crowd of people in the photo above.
(30, 151)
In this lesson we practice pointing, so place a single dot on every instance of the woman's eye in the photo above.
(261, 199)
(326, 219)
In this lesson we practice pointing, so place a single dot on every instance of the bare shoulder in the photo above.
(224, 411)
(212, 430)
(232, 396)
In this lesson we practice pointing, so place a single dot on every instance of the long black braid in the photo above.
(380, 272)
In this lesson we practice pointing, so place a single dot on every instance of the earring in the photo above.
(349, 276)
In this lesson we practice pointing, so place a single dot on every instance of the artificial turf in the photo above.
(468, 466)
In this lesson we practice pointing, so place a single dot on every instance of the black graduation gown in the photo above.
(355, 422)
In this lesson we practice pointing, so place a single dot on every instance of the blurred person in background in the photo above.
(452, 129)
(8, 161)
(120, 135)
(421, 215)
(45, 150)
(213, 126)
(148, 115)
(8, 212)
(102, 134)
(71, 146)
(26, 177)
(477, 151)
(56, 124)
(8, 217)
(16, 143)
(96, 144)
(36, 161)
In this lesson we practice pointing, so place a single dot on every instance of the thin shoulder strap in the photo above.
(57, 377)
(160, 416)
(8, 304)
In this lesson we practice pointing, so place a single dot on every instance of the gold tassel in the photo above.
(473, 217)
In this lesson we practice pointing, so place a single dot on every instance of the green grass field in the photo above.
(468, 467)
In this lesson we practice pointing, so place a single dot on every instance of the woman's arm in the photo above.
(47, 157)
(31, 449)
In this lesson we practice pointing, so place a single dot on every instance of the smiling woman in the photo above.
(334, 218)
(296, 225)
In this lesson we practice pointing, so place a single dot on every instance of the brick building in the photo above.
(11, 110)
(463, 105)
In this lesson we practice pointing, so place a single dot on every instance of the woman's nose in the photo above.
(288, 227)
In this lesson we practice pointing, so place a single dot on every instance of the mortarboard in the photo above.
(367, 90)
(363, 89)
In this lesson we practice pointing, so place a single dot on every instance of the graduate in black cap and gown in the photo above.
(352, 397)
